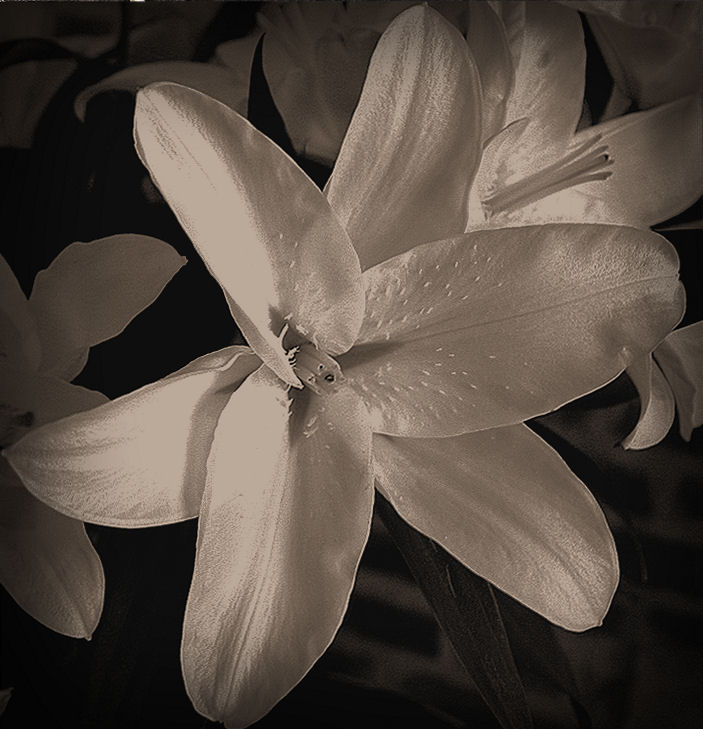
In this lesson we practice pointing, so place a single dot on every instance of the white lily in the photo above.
(88, 294)
(638, 170)
(418, 373)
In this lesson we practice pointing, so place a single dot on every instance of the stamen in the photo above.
(317, 370)
(585, 163)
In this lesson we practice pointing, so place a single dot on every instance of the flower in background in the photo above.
(88, 294)
(638, 169)
(417, 373)
(60, 38)
(653, 50)
(670, 381)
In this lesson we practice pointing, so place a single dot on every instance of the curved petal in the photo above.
(140, 459)
(656, 404)
(406, 163)
(496, 327)
(228, 85)
(91, 291)
(680, 356)
(656, 171)
(47, 562)
(285, 517)
(488, 45)
(19, 343)
(549, 75)
(264, 230)
(506, 505)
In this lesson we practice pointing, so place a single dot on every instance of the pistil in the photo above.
(316, 369)
(586, 163)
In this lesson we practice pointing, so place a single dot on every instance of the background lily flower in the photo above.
(639, 169)
(652, 49)
(287, 483)
(88, 294)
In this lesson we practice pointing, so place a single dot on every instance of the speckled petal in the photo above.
(265, 231)
(495, 327)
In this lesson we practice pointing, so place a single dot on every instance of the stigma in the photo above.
(316, 370)
(586, 163)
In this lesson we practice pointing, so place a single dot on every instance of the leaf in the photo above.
(466, 608)
(537, 650)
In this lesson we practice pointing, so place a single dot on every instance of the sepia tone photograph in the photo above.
(351, 364)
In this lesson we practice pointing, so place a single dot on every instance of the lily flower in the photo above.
(416, 374)
(88, 294)
(638, 170)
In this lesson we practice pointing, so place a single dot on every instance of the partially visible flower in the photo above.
(417, 373)
(653, 50)
(671, 381)
(88, 294)
(639, 169)
(80, 31)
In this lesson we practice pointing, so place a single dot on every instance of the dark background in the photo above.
(390, 663)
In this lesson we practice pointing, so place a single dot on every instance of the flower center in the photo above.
(585, 163)
(316, 369)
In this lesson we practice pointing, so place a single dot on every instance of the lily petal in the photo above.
(228, 85)
(680, 356)
(488, 44)
(285, 517)
(506, 505)
(140, 459)
(656, 171)
(40, 399)
(19, 342)
(47, 562)
(91, 291)
(656, 404)
(549, 76)
(264, 230)
(410, 184)
(495, 327)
